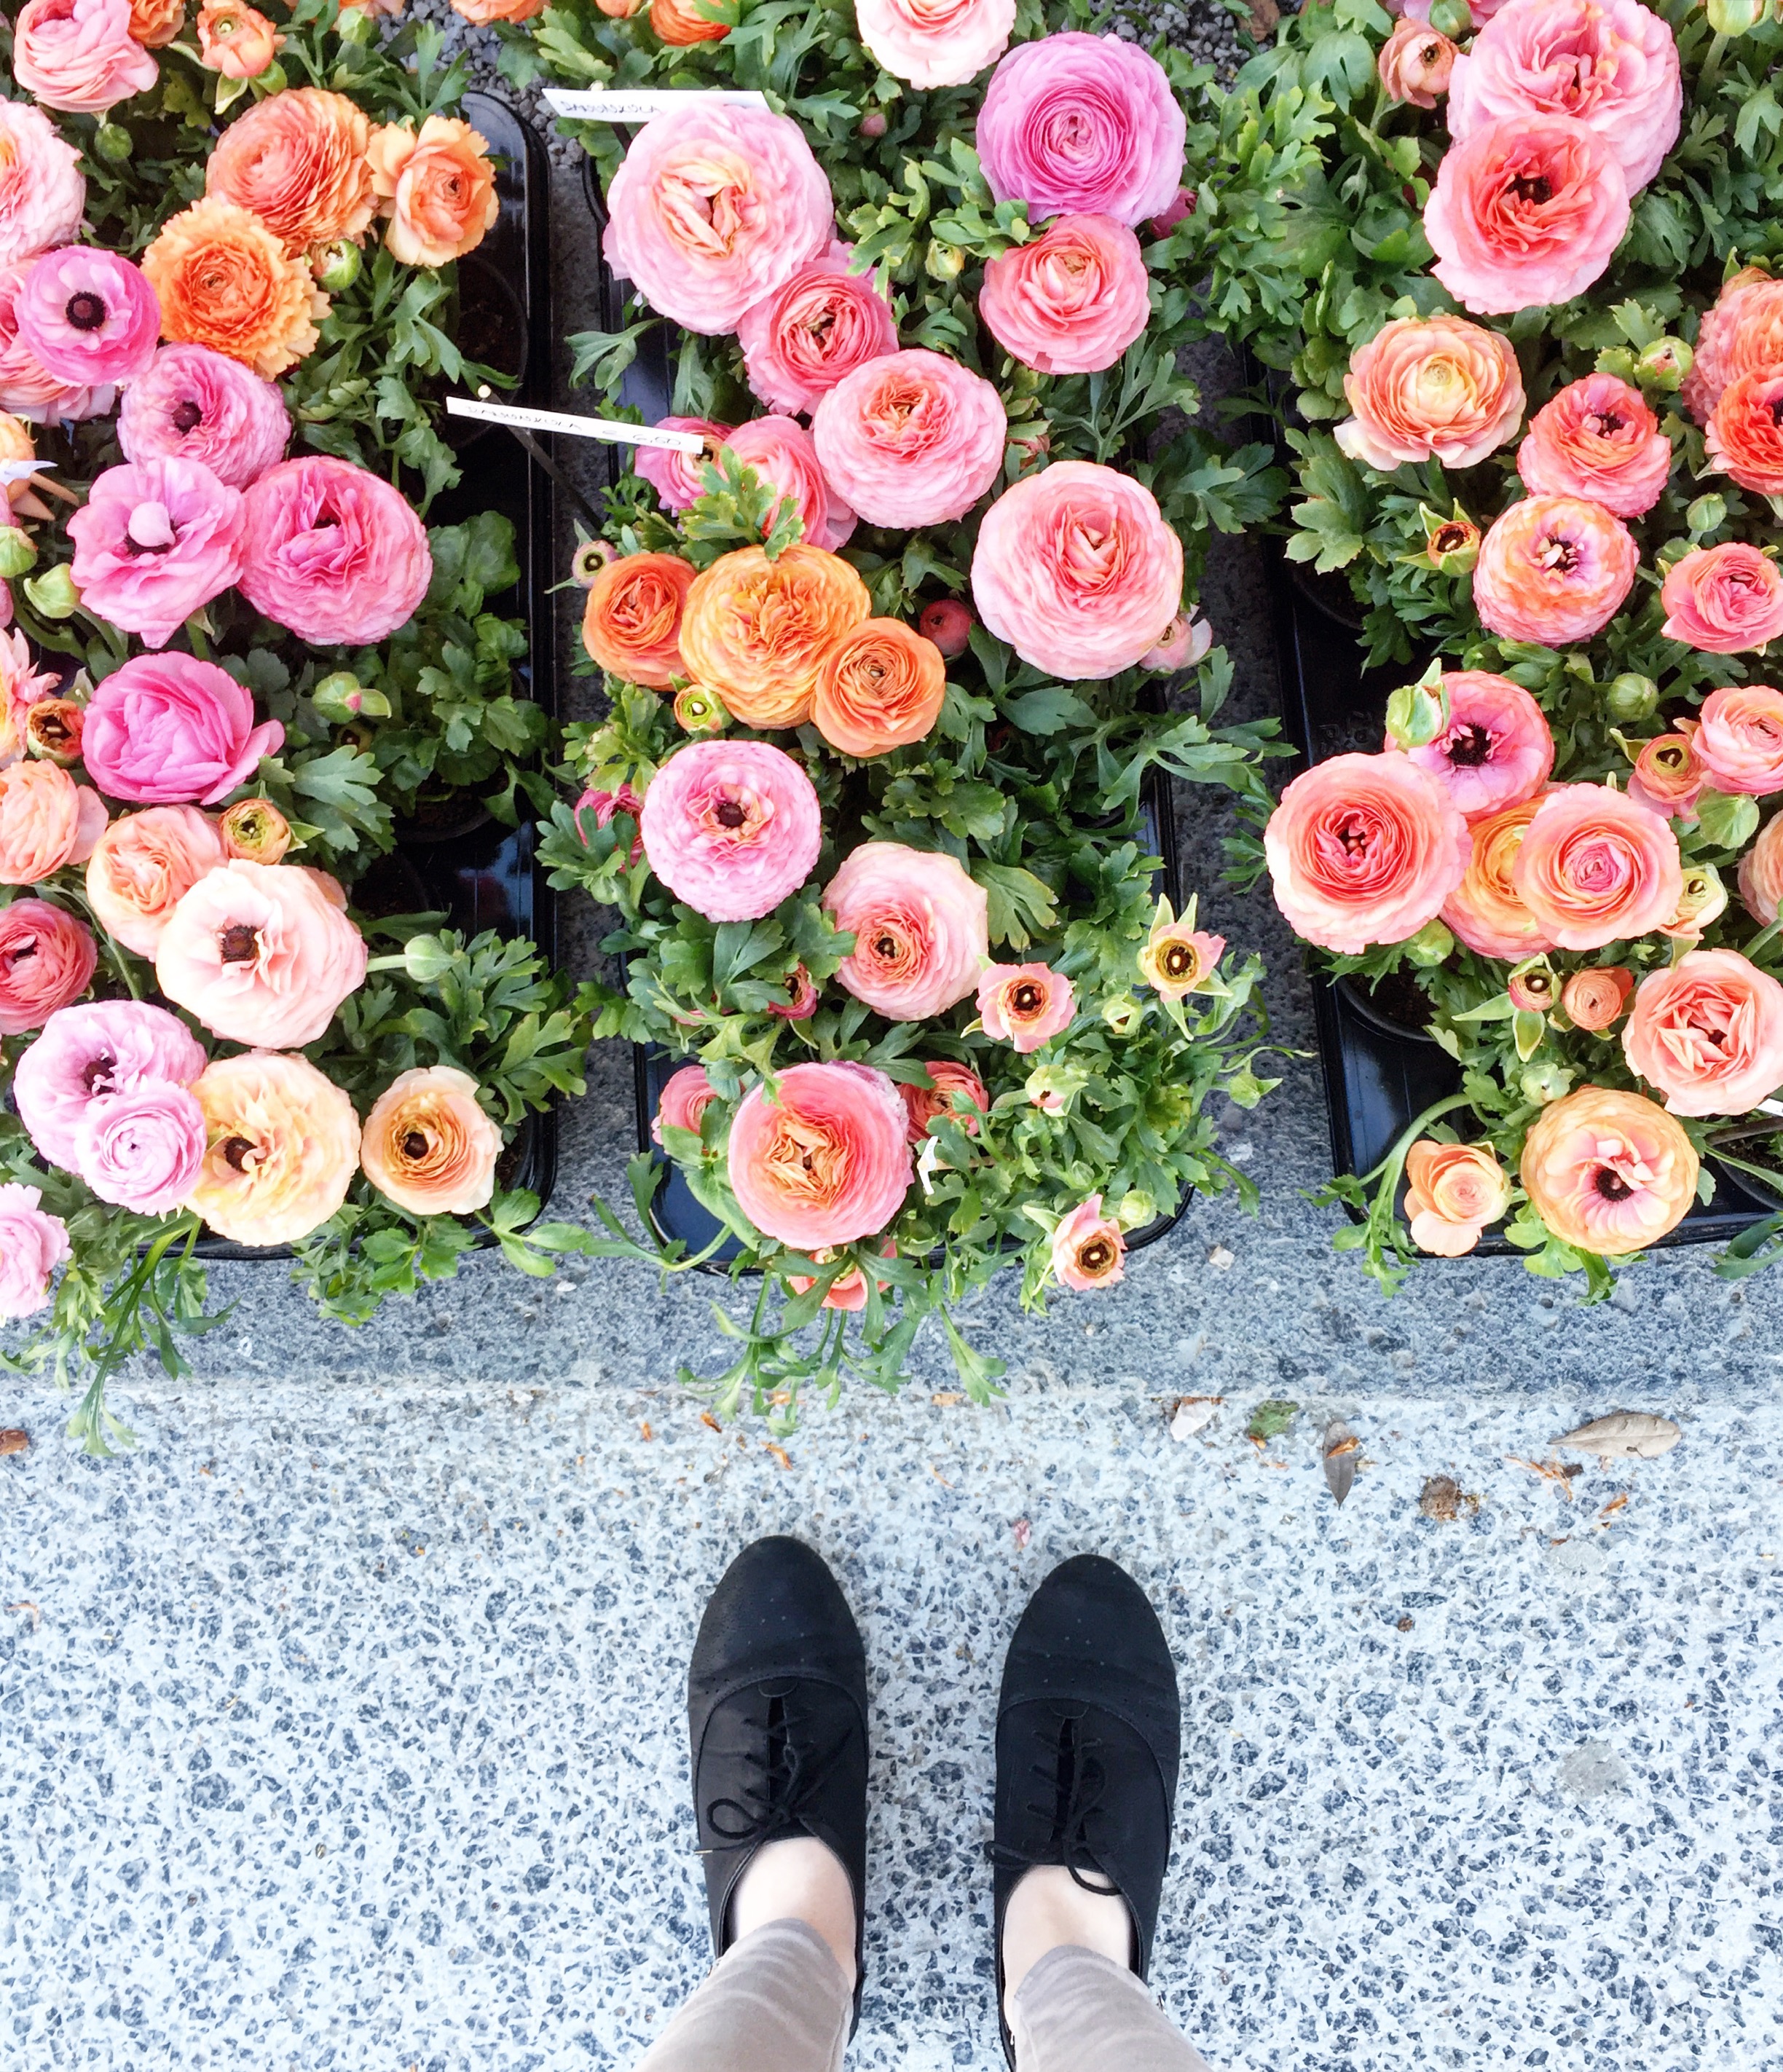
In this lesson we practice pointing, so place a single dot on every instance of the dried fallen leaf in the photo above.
(1618, 1503)
(1023, 1531)
(645, 1428)
(779, 1454)
(710, 1422)
(1270, 1420)
(940, 1477)
(1264, 15)
(1624, 1435)
(1341, 1447)
(1551, 1471)
(13, 1441)
(946, 1398)
(1444, 1498)
(1191, 1414)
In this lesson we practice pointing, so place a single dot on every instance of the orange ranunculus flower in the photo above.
(881, 687)
(760, 632)
(1607, 1171)
(1594, 998)
(1668, 773)
(154, 24)
(1431, 386)
(1742, 333)
(1454, 1190)
(678, 22)
(428, 1145)
(632, 621)
(225, 281)
(1745, 433)
(297, 160)
(238, 41)
(1553, 569)
(437, 189)
(1484, 911)
(483, 12)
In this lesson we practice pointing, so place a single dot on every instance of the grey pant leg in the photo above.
(776, 2001)
(1078, 2013)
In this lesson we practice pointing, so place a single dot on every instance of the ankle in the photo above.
(798, 1879)
(1050, 1909)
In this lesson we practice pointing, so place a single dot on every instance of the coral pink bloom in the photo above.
(1075, 567)
(154, 543)
(333, 551)
(46, 820)
(678, 478)
(920, 927)
(193, 404)
(1598, 867)
(1070, 302)
(935, 43)
(780, 452)
(283, 1147)
(1740, 739)
(1724, 600)
(1484, 911)
(47, 959)
(1431, 387)
(1708, 1033)
(1743, 333)
(1608, 1171)
(930, 1103)
(848, 1291)
(1452, 1192)
(88, 317)
(1088, 1250)
(1025, 1005)
(822, 323)
(1526, 212)
(1364, 848)
(1669, 774)
(1553, 569)
(1497, 749)
(1745, 430)
(911, 439)
(714, 207)
(33, 1243)
(79, 55)
(821, 1156)
(165, 729)
(732, 827)
(686, 1095)
(1762, 874)
(86, 1054)
(1598, 439)
(27, 389)
(143, 865)
(1076, 124)
(1612, 63)
(43, 193)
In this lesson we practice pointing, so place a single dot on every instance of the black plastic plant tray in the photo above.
(462, 861)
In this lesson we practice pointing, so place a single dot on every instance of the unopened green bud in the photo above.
(335, 266)
(1452, 18)
(1137, 1209)
(1631, 698)
(426, 960)
(356, 26)
(1123, 1014)
(943, 262)
(53, 594)
(17, 554)
(1416, 713)
(1432, 945)
(112, 143)
(1707, 514)
(1734, 17)
(1545, 1081)
(1665, 363)
(343, 698)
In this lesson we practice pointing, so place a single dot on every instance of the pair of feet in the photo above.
(1088, 1741)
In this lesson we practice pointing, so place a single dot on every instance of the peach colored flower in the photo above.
(484, 12)
(297, 160)
(935, 43)
(783, 454)
(1187, 640)
(1364, 848)
(333, 550)
(881, 687)
(143, 865)
(238, 41)
(225, 281)
(1553, 569)
(947, 1080)
(1426, 387)
(910, 439)
(154, 24)
(680, 22)
(42, 192)
(1723, 600)
(631, 620)
(821, 1156)
(1072, 300)
(1178, 959)
(731, 827)
(1598, 439)
(1596, 867)
(1762, 874)
(1708, 1033)
(1607, 1171)
(1668, 773)
(686, 1095)
(1745, 430)
(427, 1144)
(1416, 64)
(1743, 333)
(1740, 739)
(1025, 1005)
(79, 55)
(1595, 998)
(283, 1147)
(821, 322)
(759, 632)
(436, 188)
(1453, 1191)
(259, 954)
(46, 820)
(47, 959)
(1088, 1250)
(1497, 749)
(920, 927)
(33, 1243)
(255, 829)
(1524, 212)
(1484, 911)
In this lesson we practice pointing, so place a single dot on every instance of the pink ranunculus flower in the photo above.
(33, 1243)
(333, 551)
(144, 1149)
(88, 1053)
(911, 439)
(1187, 640)
(47, 958)
(822, 1157)
(1553, 569)
(1088, 1248)
(1742, 334)
(1724, 600)
(259, 955)
(1612, 63)
(935, 43)
(46, 820)
(1762, 874)
(1073, 300)
(1598, 439)
(920, 927)
(1526, 212)
(42, 192)
(154, 543)
(1740, 739)
(1075, 567)
(27, 389)
(1497, 749)
(848, 1291)
(929, 1104)
(1026, 1005)
(193, 404)
(1076, 124)
(732, 827)
(143, 865)
(821, 322)
(1426, 387)
(1708, 1033)
(678, 478)
(1596, 866)
(713, 208)
(88, 316)
(686, 1095)
(781, 451)
(1364, 848)
(79, 55)
(165, 728)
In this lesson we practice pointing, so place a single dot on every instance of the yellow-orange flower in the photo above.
(881, 687)
(429, 1146)
(154, 24)
(760, 632)
(1484, 910)
(1608, 1171)
(437, 189)
(297, 160)
(631, 621)
(225, 281)
(678, 22)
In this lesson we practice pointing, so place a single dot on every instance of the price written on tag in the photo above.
(622, 105)
(610, 428)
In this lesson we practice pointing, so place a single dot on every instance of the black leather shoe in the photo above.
(1089, 1737)
(776, 1711)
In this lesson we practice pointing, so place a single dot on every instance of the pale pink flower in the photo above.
(1072, 300)
(822, 1156)
(33, 1243)
(935, 43)
(154, 543)
(283, 1147)
(1187, 640)
(1740, 739)
(678, 478)
(1742, 334)
(193, 404)
(88, 316)
(780, 452)
(1608, 1171)
(821, 322)
(43, 193)
(143, 1149)
(333, 551)
(910, 439)
(1497, 749)
(1088, 1248)
(1452, 1192)
(928, 1104)
(687, 1094)
(1426, 387)
(1707, 1032)
(47, 958)
(143, 865)
(1553, 569)
(1599, 439)
(732, 827)
(1762, 874)
(89, 1053)
(1724, 600)
(920, 927)
(1026, 1005)
(79, 55)
(165, 729)
(46, 820)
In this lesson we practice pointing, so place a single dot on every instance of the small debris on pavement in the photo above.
(1220, 1259)
(36, 1616)
(1559, 1472)
(13, 1440)
(779, 1454)
(710, 1422)
(1406, 1624)
(1443, 1498)
(946, 1398)
(1269, 1421)
(1023, 1532)
(1624, 1435)
(1191, 1414)
(1342, 1447)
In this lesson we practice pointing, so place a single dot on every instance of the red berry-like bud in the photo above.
(948, 624)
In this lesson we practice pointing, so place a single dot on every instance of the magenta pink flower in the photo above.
(780, 452)
(42, 193)
(677, 478)
(144, 1149)
(686, 1095)
(1075, 125)
(107, 1046)
(1724, 600)
(154, 543)
(603, 805)
(333, 551)
(732, 827)
(1071, 301)
(166, 728)
(32, 1245)
(911, 439)
(27, 389)
(1024, 1004)
(821, 1157)
(1497, 749)
(920, 928)
(47, 958)
(821, 322)
(79, 55)
(88, 317)
(193, 404)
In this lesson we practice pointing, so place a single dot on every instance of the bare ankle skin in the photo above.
(798, 1879)
(1049, 1907)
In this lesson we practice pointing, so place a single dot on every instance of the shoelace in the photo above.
(787, 1784)
(1077, 1782)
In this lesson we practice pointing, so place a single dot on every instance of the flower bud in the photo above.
(1123, 1014)
(356, 25)
(1595, 998)
(1707, 514)
(255, 829)
(1545, 1081)
(1452, 545)
(426, 960)
(336, 266)
(1631, 698)
(1532, 986)
(699, 710)
(1736, 17)
(620, 11)
(948, 624)
(1180, 209)
(588, 559)
(114, 142)
(1415, 63)
(1452, 18)
(52, 731)
(342, 697)
(943, 262)
(1137, 1209)
(1416, 713)
(17, 553)
(1665, 363)
(873, 124)
(1432, 946)
(1051, 1088)
(1703, 900)
(1187, 640)
(53, 594)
